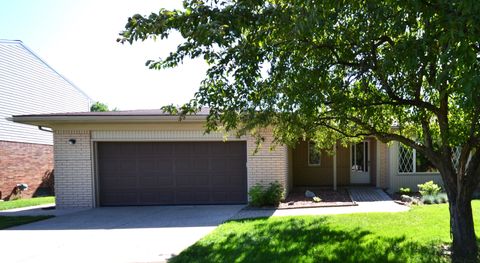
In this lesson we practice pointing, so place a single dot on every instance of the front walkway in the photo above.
(369, 199)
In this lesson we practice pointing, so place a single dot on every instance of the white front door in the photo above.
(360, 163)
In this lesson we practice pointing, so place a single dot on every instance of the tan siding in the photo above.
(382, 164)
(306, 175)
(343, 165)
(290, 170)
(373, 161)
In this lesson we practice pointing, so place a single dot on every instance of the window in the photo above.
(409, 161)
(360, 160)
(314, 155)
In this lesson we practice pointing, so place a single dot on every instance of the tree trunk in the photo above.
(464, 247)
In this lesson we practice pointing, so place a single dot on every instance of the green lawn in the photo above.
(9, 221)
(413, 236)
(26, 202)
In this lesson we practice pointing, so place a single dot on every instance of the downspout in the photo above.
(44, 129)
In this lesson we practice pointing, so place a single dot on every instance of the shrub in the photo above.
(428, 199)
(404, 191)
(429, 188)
(274, 194)
(261, 196)
(256, 195)
(441, 198)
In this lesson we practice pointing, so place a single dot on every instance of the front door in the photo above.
(360, 163)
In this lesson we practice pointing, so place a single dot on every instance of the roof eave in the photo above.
(49, 121)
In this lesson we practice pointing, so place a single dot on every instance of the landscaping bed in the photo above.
(329, 198)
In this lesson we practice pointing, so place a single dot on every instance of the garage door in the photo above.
(164, 173)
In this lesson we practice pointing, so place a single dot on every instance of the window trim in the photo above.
(414, 164)
(310, 143)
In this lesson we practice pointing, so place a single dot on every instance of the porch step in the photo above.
(367, 194)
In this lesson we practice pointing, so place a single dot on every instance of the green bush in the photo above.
(256, 195)
(404, 191)
(441, 198)
(429, 188)
(261, 196)
(428, 199)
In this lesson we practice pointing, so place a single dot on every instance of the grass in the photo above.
(413, 236)
(9, 221)
(26, 202)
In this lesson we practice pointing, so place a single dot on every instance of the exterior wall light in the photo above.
(72, 141)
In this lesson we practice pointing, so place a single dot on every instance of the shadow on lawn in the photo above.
(298, 240)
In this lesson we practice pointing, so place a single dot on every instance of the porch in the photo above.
(355, 164)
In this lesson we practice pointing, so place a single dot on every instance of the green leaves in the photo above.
(331, 70)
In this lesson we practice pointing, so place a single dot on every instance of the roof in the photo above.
(19, 42)
(151, 115)
(147, 112)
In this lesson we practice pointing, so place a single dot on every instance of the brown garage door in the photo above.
(161, 173)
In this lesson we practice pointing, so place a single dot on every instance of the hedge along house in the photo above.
(148, 157)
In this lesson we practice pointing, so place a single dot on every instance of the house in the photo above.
(29, 85)
(148, 157)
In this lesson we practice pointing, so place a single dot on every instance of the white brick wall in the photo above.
(267, 165)
(74, 174)
(73, 169)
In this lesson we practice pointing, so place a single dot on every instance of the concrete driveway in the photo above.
(113, 234)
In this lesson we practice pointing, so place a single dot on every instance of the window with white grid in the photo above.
(409, 161)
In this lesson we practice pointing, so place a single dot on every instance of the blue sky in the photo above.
(78, 39)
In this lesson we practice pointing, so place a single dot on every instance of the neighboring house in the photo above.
(150, 158)
(29, 85)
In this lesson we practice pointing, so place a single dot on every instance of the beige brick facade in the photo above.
(73, 169)
(267, 164)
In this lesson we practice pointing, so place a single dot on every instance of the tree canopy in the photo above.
(399, 70)
(99, 107)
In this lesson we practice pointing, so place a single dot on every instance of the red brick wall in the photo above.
(23, 163)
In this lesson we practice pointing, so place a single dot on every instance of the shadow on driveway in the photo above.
(138, 217)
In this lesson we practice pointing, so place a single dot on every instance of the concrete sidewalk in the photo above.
(363, 207)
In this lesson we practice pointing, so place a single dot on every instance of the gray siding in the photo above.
(410, 180)
(29, 86)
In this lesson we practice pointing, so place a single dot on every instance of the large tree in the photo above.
(398, 70)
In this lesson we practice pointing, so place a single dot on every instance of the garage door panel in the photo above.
(193, 195)
(156, 173)
(124, 197)
(149, 181)
(201, 148)
(228, 196)
(192, 180)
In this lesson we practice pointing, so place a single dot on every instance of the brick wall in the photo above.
(74, 174)
(73, 169)
(267, 165)
(23, 163)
